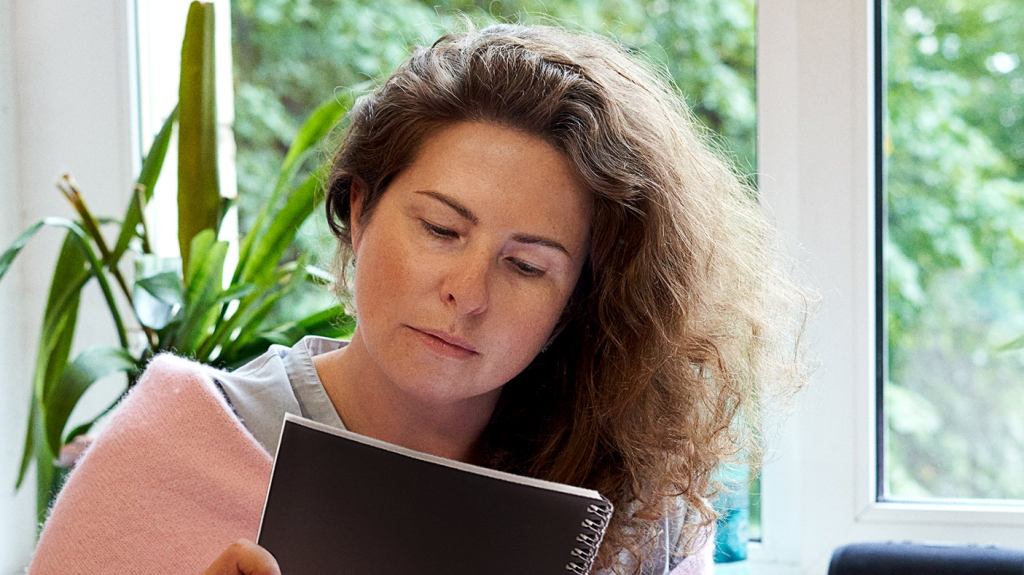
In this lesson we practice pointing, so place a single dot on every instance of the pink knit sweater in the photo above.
(172, 480)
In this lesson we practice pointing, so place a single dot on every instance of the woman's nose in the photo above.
(466, 287)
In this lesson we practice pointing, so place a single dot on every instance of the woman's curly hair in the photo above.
(684, 324)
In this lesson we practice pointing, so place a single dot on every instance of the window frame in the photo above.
(985, 510)
(817, 124)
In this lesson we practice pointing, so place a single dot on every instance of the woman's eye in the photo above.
(439, 231)
(525, 268)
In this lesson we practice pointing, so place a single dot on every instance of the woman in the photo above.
(553, 275)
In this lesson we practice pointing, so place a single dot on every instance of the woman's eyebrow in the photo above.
(451, 203)
(471, 217)
(541, 241)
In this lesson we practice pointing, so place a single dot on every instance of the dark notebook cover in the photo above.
(340, 502)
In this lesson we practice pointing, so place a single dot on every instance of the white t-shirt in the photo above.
(282, 380)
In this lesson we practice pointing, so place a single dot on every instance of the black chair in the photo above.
(921, 559)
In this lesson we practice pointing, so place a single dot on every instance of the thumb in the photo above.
(243, 557)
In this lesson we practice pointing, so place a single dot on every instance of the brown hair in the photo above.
(682, 317)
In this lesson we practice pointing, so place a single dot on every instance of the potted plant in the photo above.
(195, 305)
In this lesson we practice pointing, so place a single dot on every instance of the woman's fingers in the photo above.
(243, 557)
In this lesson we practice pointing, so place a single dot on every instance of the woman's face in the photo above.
(467, 261)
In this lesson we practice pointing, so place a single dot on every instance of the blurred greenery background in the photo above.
(954, 157)
(954, 153)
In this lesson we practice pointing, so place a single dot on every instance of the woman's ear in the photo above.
(356, 197)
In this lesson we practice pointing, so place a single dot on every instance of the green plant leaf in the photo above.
(234, 293)
(29, 445)
(85, 427)
(59, 320)
(76, 264)
(271, 244)
(251, 312)
(90, 366)
(151, 168)
(316, 127)
(16, 246)
(55, 351)
(203, 281)
(151, 312)
(158, 292)
(47, 478)
(198, 185)
(86, 219)
(153, 164)
(197, 271)
(248, 316)
(164, 286)
(81, 241)
(331, 322)
(60, 315)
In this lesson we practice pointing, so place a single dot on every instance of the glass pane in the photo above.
(290, 54)
(953, 250)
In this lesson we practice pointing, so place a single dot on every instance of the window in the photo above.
(952, 251)
(816, 158)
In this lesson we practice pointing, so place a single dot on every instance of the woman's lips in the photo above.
(445, 344)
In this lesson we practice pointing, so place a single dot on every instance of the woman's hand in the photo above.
(243, 557)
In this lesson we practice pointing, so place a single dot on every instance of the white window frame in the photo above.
(816, 160)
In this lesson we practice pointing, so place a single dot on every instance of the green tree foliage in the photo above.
(954, 249)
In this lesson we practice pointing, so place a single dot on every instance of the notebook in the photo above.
(340, 502)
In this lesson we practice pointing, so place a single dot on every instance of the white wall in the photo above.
(65, 106)
(13, 363)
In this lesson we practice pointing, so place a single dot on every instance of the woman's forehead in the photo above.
(488, 166)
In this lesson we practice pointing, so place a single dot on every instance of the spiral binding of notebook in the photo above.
(589, 539)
